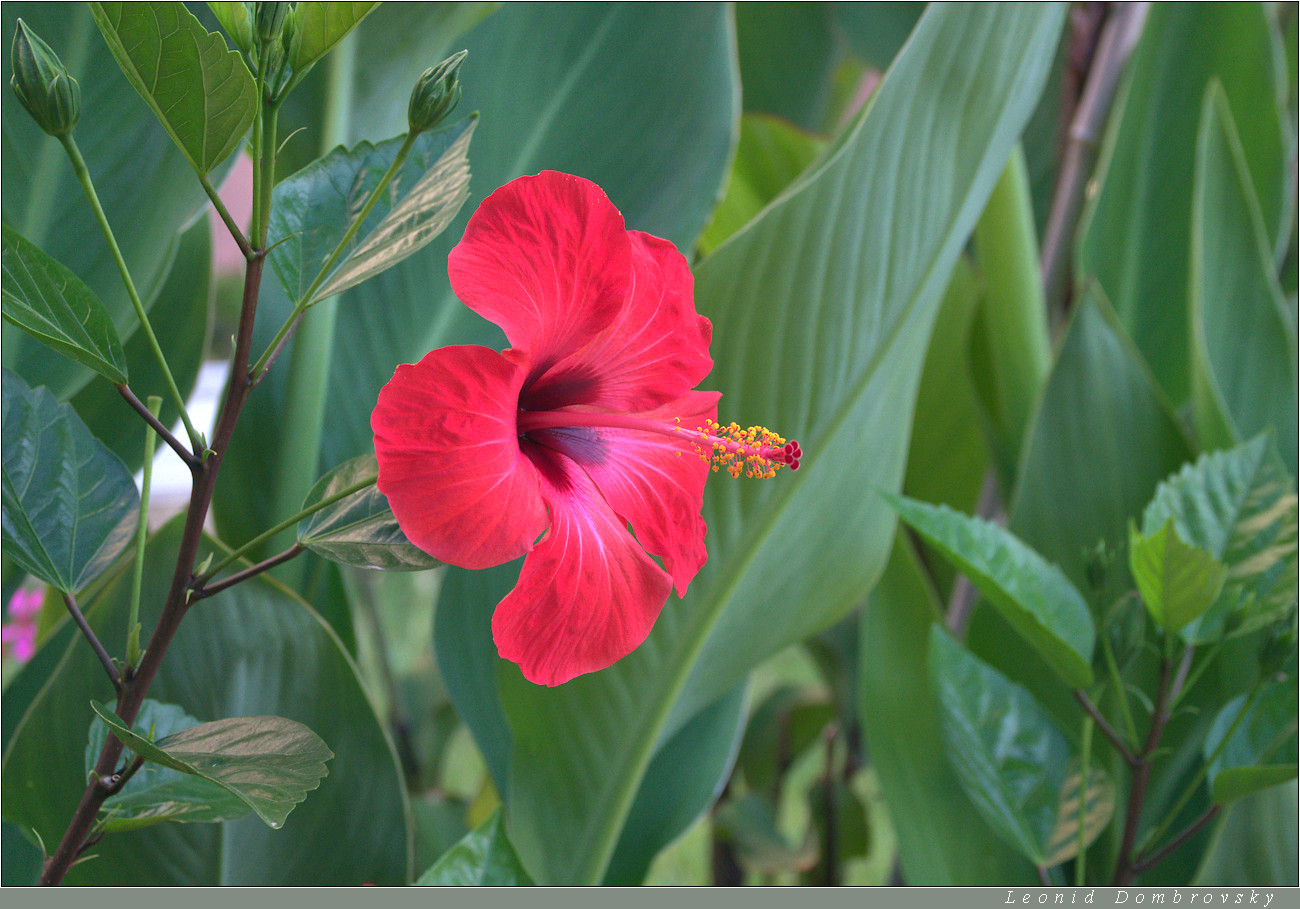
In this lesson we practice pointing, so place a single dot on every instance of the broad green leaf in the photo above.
(237, 20)
(69, 504)
(251, 650)
(749, 822)
(122, 142)
(1243, 341)
(182, 321)
(317, 27)
(268, 762)
(946, 842)
(360, 529)
(1240, 506)
(1011, 760)
(154, 793)
(1134, 233)
(876, 31)
(1032, 594)
(52, 304)
(199, 89)
(1261, 750)
(316, 206)
(1255, 844)
(1178, 582)
(770, 155)
(484, 858)
(840, 376)
(787, 55)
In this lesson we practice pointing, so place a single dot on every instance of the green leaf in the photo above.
(787, 59)
(43, 201)
(250, 650)
(237, 20)
(1134, 234)
(945, 842)
(1032, 594)
(1012, 762)
(320, 26)
(199, 89)
(1261, 751)
(314, 208)
(1098, 804)
(1178, 582)
(360, 529)
(154, 793)
(52, 304)
(1239, 506)
(854, 345)
(1255, 845)
(69, 504)
(770, 155)
(1243, 340)
(268, 762)
(484, 858)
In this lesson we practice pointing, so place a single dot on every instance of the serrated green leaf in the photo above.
(320, 26)
(1031, 593)
(69, 504)
(155, 794)
(1240, 506)
(1261, 752)
(1243, 341)
(1012, 762)
(268, 762)
(52, 304)
(484, 858)
(314, 208)
(360, 529)
(1178, 582)
(199, 89)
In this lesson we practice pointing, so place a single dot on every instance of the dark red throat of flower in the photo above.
(752, 451)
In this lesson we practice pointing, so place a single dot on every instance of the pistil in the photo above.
(754, 451)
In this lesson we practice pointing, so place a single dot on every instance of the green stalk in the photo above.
(83, 177)
(154, 403)
(1014, 312)
(309, 363)
(285, 525)
(1085, 755)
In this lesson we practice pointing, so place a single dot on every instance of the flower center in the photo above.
(753, 451)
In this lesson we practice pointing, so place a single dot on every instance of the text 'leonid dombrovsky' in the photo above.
(1163, 897)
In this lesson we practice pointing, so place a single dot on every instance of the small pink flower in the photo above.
(587, 424)
(18, 636)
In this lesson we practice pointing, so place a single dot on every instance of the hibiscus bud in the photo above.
(269, 19)
(42, 85)
(435, 94)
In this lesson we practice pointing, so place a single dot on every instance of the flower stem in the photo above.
(83, 177)
(141, 534)
(105, 660)
(282, 526)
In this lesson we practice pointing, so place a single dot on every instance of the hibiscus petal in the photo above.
(588, 594)
(653, 353)
(548, 259)
(449, 459)
(657, 484)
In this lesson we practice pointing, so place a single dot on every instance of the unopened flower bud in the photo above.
(269, 19)
(42, 85)
(435, 94)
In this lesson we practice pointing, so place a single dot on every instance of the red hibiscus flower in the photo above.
(587, 423)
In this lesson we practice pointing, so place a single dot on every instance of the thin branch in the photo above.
(1106, 729)
(114, 676)
(1119, 35)
(265, 565)
(185, 454)
(118, 780)
(217, 203)
(1142, 865)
